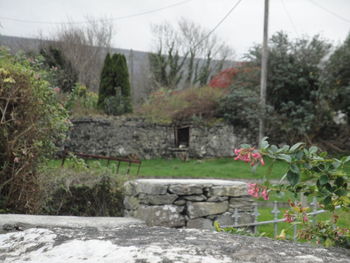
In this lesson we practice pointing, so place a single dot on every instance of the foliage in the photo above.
(238, 231)
(65, 74)
(31, 122)
(337, 78)
(224, 78)
(297, 106)
(79, 191)
(311, 173)
(174, 106)
(114, 92)
(80, 102)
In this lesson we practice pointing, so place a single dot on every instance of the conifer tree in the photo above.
(106, 82)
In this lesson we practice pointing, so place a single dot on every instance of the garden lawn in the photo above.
(221, 168)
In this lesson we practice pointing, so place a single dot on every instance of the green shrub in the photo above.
(31, 121)
(114, 93)
(80, 191)
(190, 104)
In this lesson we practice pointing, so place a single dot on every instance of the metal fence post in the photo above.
(275, 212)
(255, 214)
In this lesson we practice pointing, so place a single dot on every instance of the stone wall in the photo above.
(123, 136)
(192, 203)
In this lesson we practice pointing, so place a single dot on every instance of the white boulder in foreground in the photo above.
(139, 243)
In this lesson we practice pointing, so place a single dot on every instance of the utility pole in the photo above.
(263, 80)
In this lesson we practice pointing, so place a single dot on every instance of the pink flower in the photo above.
(265, 194)
(16, 160)
(57, 90)
(288, 217)
(305, 218)
(253, 190)
(249, 155)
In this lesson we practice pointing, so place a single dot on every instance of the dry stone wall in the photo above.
(192, 203)
(123, 136)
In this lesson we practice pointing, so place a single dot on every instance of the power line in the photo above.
(289, 17)
(108, 19)
(219, 23)
(329, 11)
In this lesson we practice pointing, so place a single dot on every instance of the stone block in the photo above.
(217, 198)
(129, 188)
(180, 202)
(131, 203)
(225, 219)
(150, 188)
(200, 209)
(166, 199)
(186, 189)
(239, 189)
(167, 215)
(200, 223)
(242, 204)
(195, 198)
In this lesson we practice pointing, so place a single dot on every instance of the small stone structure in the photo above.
(121, 136)
(192, 203)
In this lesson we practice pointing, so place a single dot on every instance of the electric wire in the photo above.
(219, 23)
(289, 17)
(107, 19)
(329, 11)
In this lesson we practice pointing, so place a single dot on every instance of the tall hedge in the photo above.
(31, 122)
(114, 93)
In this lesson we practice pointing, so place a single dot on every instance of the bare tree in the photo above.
(85, 47)
(186, 54)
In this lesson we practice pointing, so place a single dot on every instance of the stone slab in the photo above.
(136, 244)
(66, 221)
(200, 209)
(165, 215)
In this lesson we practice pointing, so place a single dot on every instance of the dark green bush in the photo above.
(31, 121)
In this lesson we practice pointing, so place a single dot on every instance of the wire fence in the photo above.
(275, 211)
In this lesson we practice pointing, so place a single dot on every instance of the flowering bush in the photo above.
(310, 172)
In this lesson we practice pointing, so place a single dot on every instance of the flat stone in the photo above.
(166, 199)
(225, 219)
(217, 198)
(242, 204)
(180, 202)
(200, 223)
(131, 202)
(239, 189)
(166, 215)
(196, 198)
(129, 188)
(186, 189)
(200, 209)
(138, 243)
(150, 188)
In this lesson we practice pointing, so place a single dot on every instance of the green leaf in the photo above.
(294, 168)
(296, 146)
(284, 157)
(323, 179)
(293, 178)
(339, 181)
(313, 149)
(264, 143)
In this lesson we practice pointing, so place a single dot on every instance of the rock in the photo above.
(200, 223)
(243, 204)
(166, 199)
(180, 202)
(200, 209)
(196, 198)
(167, 215)
(129, 188)
(136, 244)
(150, 188)
(225, 219)
(131, 203)
(186, 189)
(239, 189)
(217, 198)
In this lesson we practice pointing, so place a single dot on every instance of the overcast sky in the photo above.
(243, 28)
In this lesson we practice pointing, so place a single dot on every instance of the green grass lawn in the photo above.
(225, 168)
